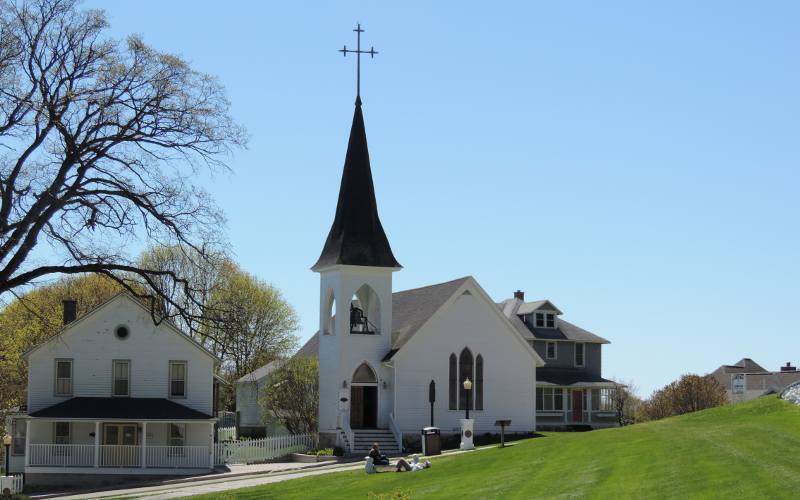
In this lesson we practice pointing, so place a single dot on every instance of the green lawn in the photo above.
(748, 450)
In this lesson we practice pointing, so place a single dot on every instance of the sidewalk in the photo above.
(240, 476)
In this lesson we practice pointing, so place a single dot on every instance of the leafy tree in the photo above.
(251, 322)
(37, 316)
(99, 141)
(291, 396)
(688, 394)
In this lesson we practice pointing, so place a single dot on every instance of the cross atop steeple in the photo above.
(358, 53)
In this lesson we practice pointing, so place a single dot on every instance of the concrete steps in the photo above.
(363, 439)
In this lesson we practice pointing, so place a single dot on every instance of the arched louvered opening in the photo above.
(453, 377)
(479, 382)
(329, 311)
(365, 311)
(465, 372)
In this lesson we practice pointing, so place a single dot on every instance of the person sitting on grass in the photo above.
(377, 458)
(414, 466)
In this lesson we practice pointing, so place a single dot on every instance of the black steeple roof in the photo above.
(357, 237)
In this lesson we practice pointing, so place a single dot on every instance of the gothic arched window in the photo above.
(479, 382)
(453, 382)
(465, 372)
(364, 375)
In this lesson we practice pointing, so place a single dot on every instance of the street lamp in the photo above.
(467, 387)
(7, 444)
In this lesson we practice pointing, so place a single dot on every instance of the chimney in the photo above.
(788, 368)
(519, 294)
(70, 310)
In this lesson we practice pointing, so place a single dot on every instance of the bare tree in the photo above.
(99, 141)
(291, 396)
(624, 402)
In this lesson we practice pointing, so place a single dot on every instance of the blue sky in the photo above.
(635, 163)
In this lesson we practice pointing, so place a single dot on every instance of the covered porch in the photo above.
(573, 398)
(119, 436)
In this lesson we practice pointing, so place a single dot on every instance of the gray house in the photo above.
(570, 389)
(746, 379)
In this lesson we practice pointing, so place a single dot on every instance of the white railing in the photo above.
(348, 432)
(13, 483)
(113, 455)
(398, 435)
(62, 455)
(185, 457)
(226, 433)
(259, 450)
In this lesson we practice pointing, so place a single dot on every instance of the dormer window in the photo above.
(545, 320)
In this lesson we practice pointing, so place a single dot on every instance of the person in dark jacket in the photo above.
(377, 458)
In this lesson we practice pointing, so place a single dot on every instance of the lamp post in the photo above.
(7, 444)
(467, 387)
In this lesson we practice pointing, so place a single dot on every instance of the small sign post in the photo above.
(503, 424)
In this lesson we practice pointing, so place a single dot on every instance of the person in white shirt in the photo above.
(414, 466)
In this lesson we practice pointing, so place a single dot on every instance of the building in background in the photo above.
(746, 379)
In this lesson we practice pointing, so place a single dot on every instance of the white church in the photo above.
(380, 352)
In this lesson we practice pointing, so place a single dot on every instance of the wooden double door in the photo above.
(364, 406)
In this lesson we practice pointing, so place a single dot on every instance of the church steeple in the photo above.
(356, 237)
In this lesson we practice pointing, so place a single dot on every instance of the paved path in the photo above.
(239, 477)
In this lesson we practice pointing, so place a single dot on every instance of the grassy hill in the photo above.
(748, 450)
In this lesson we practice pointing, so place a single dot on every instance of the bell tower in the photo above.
(355, 267)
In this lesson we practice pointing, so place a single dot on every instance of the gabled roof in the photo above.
(121, 408)
(124, 293)
(411, 309)
(529, 307)
(565, 330)
(357, 237)
(259, 373)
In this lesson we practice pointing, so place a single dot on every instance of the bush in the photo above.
(688, 394)
(338, 451)
(321, 452)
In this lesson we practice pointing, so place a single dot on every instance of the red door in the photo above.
(577, 406)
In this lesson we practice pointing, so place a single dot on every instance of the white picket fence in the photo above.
(13, 483)
(226, 433)
(259, 450)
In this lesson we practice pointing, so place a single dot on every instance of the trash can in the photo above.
(431, 441)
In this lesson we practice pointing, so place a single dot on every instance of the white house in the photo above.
(379, 353)
(113, 394)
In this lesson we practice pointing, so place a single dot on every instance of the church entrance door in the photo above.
(364, 407)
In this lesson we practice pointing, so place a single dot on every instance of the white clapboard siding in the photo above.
(258, 450)
(92, 345)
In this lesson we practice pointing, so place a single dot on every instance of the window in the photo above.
(177, 379)
(453, 382)
(479, 382)
(550, 320)
(549, 399)
(177, 434)
(465, 372)
(602, 400)
(18, 437)
(63, 384)
(122, 378)
(61, 433)
(579, 354)
(552, 352)
(539, 320)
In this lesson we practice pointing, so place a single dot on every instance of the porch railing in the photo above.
(185, 457)
(121, 456)
(62, 455)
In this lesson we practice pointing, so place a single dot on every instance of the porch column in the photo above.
(211, 445)
(144, 444)
(568, 397)
(589, 405)
(97, 443)
(27, 444)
